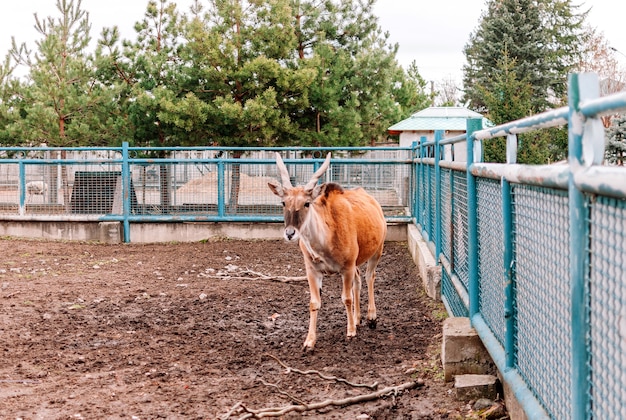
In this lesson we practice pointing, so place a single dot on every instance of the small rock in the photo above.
(203, 296)
(482, 403)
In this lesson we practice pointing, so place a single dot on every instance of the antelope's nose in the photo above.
(290, 232)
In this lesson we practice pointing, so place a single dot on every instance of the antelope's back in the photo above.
(369, 222)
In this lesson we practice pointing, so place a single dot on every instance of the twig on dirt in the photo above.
(254, 275)
(20, 381)
(321, 375)
(280, 411)
(285, 393)
(10, 295)
(234, 409)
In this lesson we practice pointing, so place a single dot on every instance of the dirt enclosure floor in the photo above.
(207, 330)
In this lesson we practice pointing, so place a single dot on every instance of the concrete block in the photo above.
(513, 406)
(473, 387)
(462, 350)
(111, 232)
(426, 263)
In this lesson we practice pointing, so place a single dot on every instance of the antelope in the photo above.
(36, 188)
(337, 230)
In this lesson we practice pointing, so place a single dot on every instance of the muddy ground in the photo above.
(188, 330)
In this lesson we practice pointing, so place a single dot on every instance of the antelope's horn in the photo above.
(284, 173)
(316, 176)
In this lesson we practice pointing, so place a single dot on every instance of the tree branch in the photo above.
(321, 375)
(281, 411)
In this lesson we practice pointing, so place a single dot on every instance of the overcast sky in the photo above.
(431, 33)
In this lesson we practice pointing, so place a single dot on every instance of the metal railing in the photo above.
(536, 256)
(132, 184)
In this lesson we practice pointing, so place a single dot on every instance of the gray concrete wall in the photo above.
(112, 232)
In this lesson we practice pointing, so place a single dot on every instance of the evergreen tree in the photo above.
(360, 89)
(11, 102)
(507, 99)
(543, 36)
(541, 42)
(615, 153)
(239, 56)
(60, 100)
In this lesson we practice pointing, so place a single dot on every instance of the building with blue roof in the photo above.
(450, 119)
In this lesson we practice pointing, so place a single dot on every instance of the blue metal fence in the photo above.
(140, 185)
(536, 256)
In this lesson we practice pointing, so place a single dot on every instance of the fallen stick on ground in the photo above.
(321, 375)
(253, 275)
(281, 411)
(280, 391)
(234, 409)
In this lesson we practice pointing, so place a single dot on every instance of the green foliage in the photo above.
(518, 61)
(615, 152)
(231, 72)
(60, 102)
(543, 37)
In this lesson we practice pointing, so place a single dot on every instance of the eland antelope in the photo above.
(337, 230)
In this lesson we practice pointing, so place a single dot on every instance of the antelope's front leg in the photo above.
(315, 280)
(347, 297)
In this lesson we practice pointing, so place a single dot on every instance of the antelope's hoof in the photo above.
(371, 323)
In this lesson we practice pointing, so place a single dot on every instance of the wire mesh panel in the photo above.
(247, 192)
(446, 213)
(451, 298)
(490, 255)
(180, 188)
(459, 228)
(421, 196)
(543, 340)
(608, 308)
(432, 215)
(429, 205)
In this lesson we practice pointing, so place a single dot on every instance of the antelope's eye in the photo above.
(283, 204)
(307, 204)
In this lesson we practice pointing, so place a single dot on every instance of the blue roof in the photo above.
(448, 118)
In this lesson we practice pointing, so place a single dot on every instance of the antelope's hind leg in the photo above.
(356, 295)
(347, 296)
(370, 276)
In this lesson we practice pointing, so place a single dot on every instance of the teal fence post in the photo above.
(22, 181)
(221, 206)
(126, 183)
(473, 124)
(581, 87)
(416, 181)
(424, 187)
(437, 225)
(509, 257)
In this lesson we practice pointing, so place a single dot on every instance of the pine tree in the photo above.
(543, 36)
(60, 100)
(360, 89)
(615, 153)
(542, 41)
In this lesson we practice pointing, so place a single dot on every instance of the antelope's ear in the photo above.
(276, 188)
(317, 190)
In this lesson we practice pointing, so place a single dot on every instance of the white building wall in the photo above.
(460, 149)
